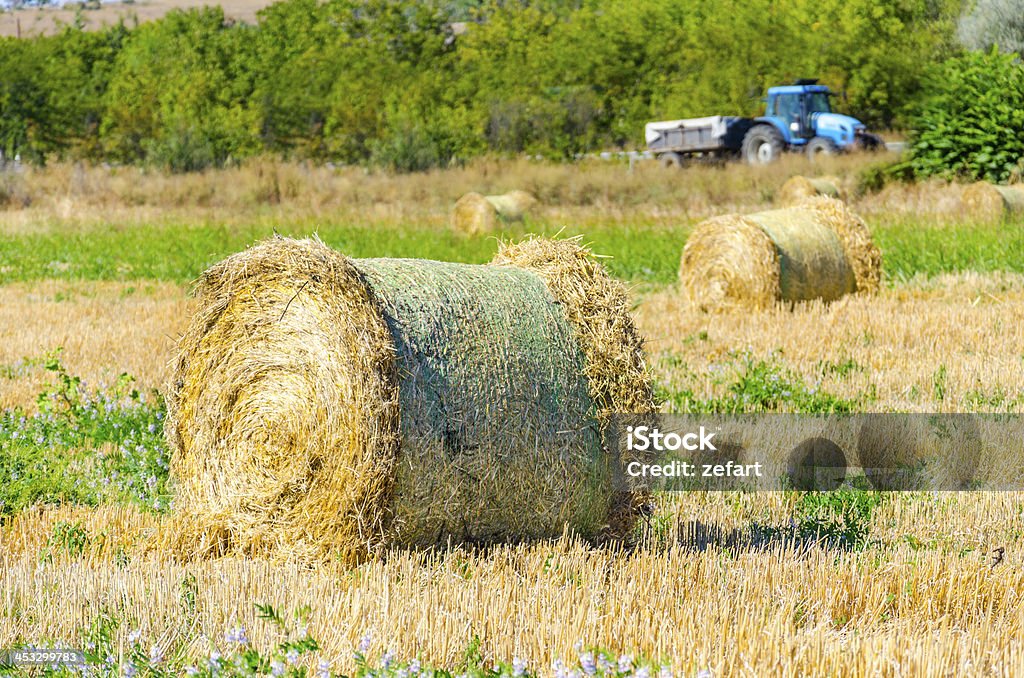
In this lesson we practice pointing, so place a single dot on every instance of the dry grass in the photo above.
(67, 197)
(960, 336)
(927, 606)
(700, 589)
(104, 328)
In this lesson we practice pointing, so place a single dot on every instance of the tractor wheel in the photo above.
(672, 160)
(762, 145)
(819, 146)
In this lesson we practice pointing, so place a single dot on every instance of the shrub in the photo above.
(970, 127)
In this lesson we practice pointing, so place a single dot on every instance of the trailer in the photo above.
(715, 136)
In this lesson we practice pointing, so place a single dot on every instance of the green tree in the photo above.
(180, 93)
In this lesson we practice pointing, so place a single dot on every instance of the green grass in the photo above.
(638, 252)
(908, 249)
(755, 385)
(179, 253)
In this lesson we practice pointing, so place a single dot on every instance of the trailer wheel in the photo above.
(762, 145)
(672, 160)
(819, 146)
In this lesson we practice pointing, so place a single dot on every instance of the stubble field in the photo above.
(98, 264)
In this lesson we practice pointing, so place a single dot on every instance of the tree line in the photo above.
(411, 85)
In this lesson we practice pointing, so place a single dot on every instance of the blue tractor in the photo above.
(797, 117)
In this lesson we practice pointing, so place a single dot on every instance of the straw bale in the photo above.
(473, 214)
(325, 405)
(512, 206)
(818, 250)
(799, 188)
(993, 202)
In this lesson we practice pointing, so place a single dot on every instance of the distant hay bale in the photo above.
(512, 206)
(473, 214)
(993, 202)
(819, 250)
(799, 188)
(322, 405)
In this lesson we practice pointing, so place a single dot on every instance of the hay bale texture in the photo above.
(818, 250)
(993, 202)
(798, 188)
(326, 405)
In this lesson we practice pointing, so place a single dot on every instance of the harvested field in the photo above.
(846, 583)
(950, 344)
(103, 328)
(726, 601)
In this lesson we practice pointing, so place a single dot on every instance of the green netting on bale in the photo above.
(497, 431)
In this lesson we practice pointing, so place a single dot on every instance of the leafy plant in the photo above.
(84, 445)
(970, 125)
(760, 386)
(69, 538)
(842, 516)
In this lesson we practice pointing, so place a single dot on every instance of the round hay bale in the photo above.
(512, 206)
(474, 214)
(798, 188)
(328, 406)
(819, 250)
(993, 202)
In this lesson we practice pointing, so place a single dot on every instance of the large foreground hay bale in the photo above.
(819, 250)
(993, 202)
(512, 206)
(798, 188)
(325, 405)
(474, 214)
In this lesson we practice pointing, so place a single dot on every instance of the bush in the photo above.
(970, 127)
